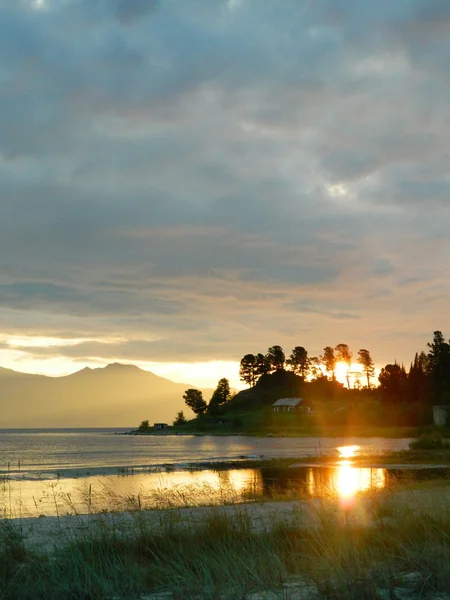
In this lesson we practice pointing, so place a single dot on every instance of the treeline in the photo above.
(253, 366)
(426, 381)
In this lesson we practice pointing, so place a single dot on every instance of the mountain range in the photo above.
(113, 396)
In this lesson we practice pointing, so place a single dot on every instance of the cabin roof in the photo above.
(288, 402)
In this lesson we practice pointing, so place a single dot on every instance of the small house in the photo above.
(160, 426)
(288, 405)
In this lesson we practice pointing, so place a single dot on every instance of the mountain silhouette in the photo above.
(117, 395)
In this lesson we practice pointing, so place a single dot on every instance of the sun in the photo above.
(342, 369)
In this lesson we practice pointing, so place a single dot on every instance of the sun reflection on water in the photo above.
(348, 451)
(349, 480)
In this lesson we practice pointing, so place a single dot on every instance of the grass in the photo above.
(396, 542)
(288, 428)
(433, 440)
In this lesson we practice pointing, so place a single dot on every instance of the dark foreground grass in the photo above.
(401, 552)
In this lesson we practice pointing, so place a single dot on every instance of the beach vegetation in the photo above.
(392, 545)
(144, 426)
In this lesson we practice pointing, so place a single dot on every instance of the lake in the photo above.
(43, 454)
(48, 472)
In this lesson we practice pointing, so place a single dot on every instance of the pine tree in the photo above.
(299, 361)
(365, 360)
(220, 397)
(276, 358)
(248, 369)
(328, 360)
(438, 367)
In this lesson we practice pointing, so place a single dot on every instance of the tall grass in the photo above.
(58, 499)
(400, 549)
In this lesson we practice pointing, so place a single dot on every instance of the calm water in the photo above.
(50, 472)
(45, 454)
(34, 498)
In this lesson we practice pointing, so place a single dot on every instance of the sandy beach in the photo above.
(47, 533)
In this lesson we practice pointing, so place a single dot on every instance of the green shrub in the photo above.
(430, 441)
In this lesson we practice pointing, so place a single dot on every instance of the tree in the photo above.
(438, 366)
(365, 360)
(248, 369)
(220, 397)
(144, 426)
(262, 365)
(357, 380)
(393, 383)
(276, 358)
(299, 361)
(344, 355)
(194, 399)
(418, 380)
(328, 359)
(180, 419)
(314, 365)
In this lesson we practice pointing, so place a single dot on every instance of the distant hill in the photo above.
(113, 396)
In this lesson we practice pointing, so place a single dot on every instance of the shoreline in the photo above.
(44, 532)
(331, 432)
(293, 548)
(407, 459)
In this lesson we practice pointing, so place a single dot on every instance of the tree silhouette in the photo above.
(357, 380)
(344, 355)
(328, 360)
(262, 365)
(299, 361)
(393, 382)
(365, 360)
(418, 380)
(220, 397)
(248, 369)
(194, 399)
(314, 367)
(180, 419)
(438, 366)
(276, 358)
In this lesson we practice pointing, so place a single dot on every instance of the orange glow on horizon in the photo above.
(355, 372)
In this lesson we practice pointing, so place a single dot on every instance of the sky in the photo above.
(183, 183)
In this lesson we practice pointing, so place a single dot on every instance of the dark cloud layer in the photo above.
(207, 178)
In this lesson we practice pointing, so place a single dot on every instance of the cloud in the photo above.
(200, 181)
(128, 10)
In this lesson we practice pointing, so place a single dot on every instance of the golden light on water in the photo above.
(347, 483)
(350, 480)
(348, 451)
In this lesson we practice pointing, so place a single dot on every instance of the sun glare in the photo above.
(351, 480)
(347, 481)
(343, 371)
(346, 452)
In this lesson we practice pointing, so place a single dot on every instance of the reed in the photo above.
(398, 546)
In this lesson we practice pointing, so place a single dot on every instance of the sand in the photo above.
(47, 533)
